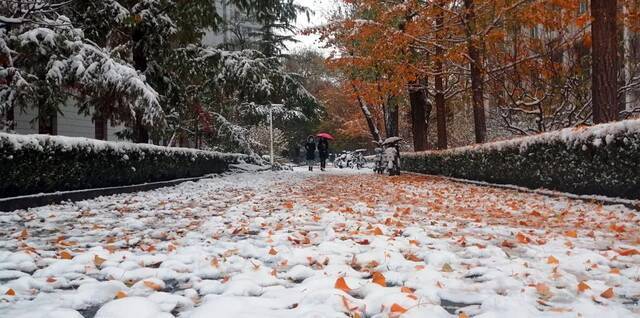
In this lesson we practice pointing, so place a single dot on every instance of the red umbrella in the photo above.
(325, 135)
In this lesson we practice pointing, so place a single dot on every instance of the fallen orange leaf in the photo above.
(65, 255)
(395, 308)
(463, 315)
(342, 285)
(617, 228)
(412, 257)
(120, 295)
(407, 290)
(379, 279)
(543, 289)
(377, 231)
(552, 260)
(608, 294)
(571, 233)
(629, 252)
(273, 251)
(10, 292)
(583, 286)
(615, 271)
(522, 238)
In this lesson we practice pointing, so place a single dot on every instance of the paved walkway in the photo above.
(336, 244)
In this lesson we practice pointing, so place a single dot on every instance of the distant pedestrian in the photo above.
(310, 147)
(323, 151)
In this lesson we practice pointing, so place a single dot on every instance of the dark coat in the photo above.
(310, 147)
(323, 148)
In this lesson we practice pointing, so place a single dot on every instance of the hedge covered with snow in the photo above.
(40, 163)
(603, 159)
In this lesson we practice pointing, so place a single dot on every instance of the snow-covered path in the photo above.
(338, 244)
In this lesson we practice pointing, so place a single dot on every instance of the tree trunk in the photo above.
(441, 109)
(100, 128)
(419, 109)
(604, 86)
(628, 46)
(392, 117)
(373, 129)
(140, 133)
(475, 64)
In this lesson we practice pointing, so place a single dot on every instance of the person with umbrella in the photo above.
(323, 148)
(310, 147)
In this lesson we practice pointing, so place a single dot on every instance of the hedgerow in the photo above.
(38, 163)
(603, 160)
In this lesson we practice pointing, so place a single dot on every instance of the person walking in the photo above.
(323, 151)
(310, 147)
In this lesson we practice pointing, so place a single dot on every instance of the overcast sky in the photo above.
(322, 9)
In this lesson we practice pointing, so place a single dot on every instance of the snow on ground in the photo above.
(336, 244)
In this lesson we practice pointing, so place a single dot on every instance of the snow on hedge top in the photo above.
(42, 142)
(598, 135)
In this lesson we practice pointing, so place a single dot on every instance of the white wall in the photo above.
(22, 119)
(70, 123)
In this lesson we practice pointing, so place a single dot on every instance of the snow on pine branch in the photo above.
(279, 111)
(60, 60)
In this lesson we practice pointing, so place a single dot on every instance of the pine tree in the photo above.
(47, 62)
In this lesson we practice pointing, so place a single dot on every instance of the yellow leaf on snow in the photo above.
(121, 294)
(552, 260)
(97, 260)
(152, 285)
(463, 315)
(571, 233)
(342, 285)
(377, 231)
(447, 268)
